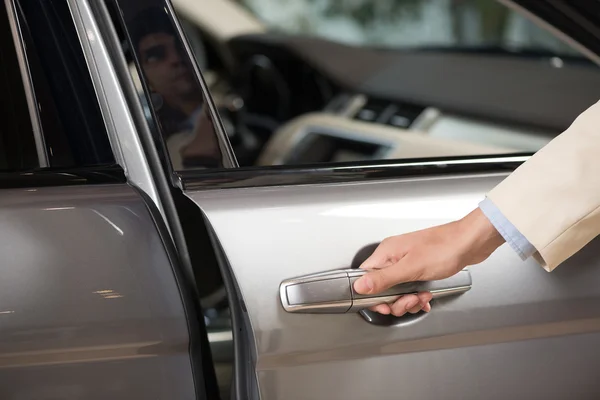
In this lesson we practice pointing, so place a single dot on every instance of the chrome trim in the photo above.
(119, 122)
(40, 143)
(318, 174)
(465, 161)
(341, 306)
(456, 284)
(361, 304)
(334, 307)
(220, 336)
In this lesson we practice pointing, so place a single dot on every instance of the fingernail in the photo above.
(363, 285)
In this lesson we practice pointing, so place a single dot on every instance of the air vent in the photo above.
(396, 114)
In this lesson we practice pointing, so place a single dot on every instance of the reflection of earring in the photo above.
(157, 100)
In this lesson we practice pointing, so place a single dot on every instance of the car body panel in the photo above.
(518, 330)
(89, 304)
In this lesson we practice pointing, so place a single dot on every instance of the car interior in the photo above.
(297, 99)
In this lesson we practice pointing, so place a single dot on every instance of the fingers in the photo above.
(404, 304)
(415, 309)
(378, 280)
(411, 303)
(427, 307)
(382, 309)
(425, 298)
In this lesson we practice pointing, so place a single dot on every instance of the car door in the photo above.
(507, 329)
(516, 331)
(93, 303)
(519, 332)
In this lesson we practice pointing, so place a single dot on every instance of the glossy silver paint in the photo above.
(520, 332)
(89, 306)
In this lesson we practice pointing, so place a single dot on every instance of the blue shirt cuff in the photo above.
(511, 235)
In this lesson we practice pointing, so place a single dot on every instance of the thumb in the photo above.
(378, 280)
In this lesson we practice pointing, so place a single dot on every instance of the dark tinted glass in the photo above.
(53, 75)
(17, 145)
(72, 123)
(168, 86)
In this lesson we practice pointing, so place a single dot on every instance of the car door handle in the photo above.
(332, 292)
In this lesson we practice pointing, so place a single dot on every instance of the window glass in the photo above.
(171, 92)
(301, 82)
(72, 123)
(17, 145)
(408, 23)
(62, 127)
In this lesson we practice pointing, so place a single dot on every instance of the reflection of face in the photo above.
(165, 70)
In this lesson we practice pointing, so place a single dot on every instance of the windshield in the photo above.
(401, 24)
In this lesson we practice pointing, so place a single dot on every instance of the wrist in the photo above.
(481, 238)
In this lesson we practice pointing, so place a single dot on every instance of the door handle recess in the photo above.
(332, 292)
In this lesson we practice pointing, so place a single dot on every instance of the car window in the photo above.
(170, 91)
(17, 144)
(305, 82)
(409, 23)
(51, 118)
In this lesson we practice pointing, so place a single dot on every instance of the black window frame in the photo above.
(17, 124)
(66, 162)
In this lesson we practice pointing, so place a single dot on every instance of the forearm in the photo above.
(553, 199)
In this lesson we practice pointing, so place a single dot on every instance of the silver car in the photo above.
(187, 190)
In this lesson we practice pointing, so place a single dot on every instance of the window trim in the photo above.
(15, 27)
(98, 175)
(379, 170)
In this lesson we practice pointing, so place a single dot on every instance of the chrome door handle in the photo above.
(332, 292)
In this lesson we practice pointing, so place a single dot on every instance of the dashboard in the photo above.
(309, 100)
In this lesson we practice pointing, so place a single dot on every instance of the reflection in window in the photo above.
(173, 90)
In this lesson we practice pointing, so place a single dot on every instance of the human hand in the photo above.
(430, 254)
